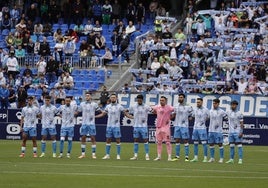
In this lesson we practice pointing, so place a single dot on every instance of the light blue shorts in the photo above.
(181, 132)
(140, 131)
(113, 132)
(215, 138)
(199, 134)
(234, 138)
(67, 131)
(88, 130)
(50, 131)
(30, 131)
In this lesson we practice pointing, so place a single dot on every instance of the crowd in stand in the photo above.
(220, 50)
(40, 38)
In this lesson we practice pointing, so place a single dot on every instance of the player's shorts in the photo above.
(89, 130)
(140, 131)
(50, 131)
(181, 132)
(234, 138)
(67, 131)
(163, 134)
(215, 138)
(30, 131)
(199, 134)
(113, 132)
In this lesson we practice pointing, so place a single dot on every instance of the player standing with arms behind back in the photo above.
(68, 113)
(215, 136)
(88, 109)
(29, 115)
(48, 112)
(140, 114)
(201, 115)
(182, 112)
(113, 110)
(163, 112)
(236, 126)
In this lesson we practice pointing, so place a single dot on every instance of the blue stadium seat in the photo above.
(78, 85)
(5, 32)
(75, 72)
(31, 92)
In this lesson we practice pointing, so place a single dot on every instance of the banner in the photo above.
(249, 105)
(255, 131)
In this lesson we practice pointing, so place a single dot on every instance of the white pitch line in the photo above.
(145, 167)
(130, 175)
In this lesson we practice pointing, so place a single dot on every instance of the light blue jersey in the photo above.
(48, 113)
(182, 112)
(30, 113)
(234, 119)
(113, 111)
(140, 113)
(68, 115)
(216, 119)
(88, 110)
(200, 115)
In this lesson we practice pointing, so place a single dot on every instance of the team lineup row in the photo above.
(180, 113)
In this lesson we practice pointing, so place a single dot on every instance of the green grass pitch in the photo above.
(53, 172)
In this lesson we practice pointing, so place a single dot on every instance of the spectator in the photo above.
(22, 96)
(130, 28)
(38, 29)
(41, 66)
(12, 98)
(155, 64)
(100, 41)
(78, 11)
(174, 70)
(97, 11)
(4, 94)
(161, 70)
(120, 28)
(131, 9)
(107, 57)
(88, 28)
(79, 28)
(241, 85)
(184, 62)
(44, 49)
(27, 81)
(12, 65)
(27, 70)
(106, 12)
(6, 22)
(115, 43)
(68, 82)
(69, 47)
(52, 69)
(61, 95)
(140, 15)
(116, 11)
(124, 42)
(104, 96)
(126, 88)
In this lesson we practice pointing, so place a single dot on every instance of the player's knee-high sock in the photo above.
(205, 148)
(186, 150)
(43, 146)
(93, 148)
(118, 148)
(70, 144)
(61, 145)
(221, 152)
(177, 149)
(195, 149)
(136, 148)
(212, 151)
(23, 149)
(54, 146)
(34, 149)
(146, 148)
(240, 151)
(232, 151)
(108, 148)
(159, 149)
(169, 149)
(83, 149)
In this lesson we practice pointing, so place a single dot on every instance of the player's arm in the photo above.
(21, 123)
(102, 114)
(127, 114)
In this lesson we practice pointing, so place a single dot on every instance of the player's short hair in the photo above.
(182, 94)
(234, 102)
(30, 98)
(69, 97)
(113, 94)
(199, 99)
(47, 97)
(87, 93)
(163, 97)
(216, 100)
(140, 97)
